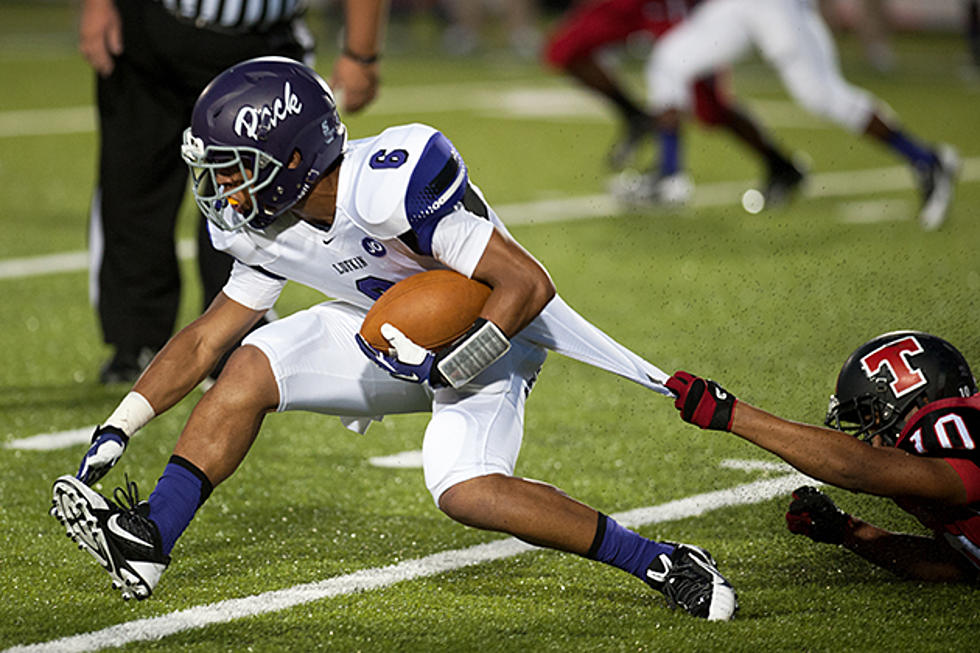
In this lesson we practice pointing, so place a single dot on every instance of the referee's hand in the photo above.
(100, 35)
(355, 83)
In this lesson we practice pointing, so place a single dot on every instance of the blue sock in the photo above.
(181, 490)
(918, 155)
(670, 157)
(621, 547)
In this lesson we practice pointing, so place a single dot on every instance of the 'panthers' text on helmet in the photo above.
(272, 120)
(890, 376)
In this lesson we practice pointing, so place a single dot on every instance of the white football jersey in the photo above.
(404, 205)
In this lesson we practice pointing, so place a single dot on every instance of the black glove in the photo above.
(702, 402)
(108, 445)
(814, 514)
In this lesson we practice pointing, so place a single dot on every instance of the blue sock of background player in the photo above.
(670, 157)
(920, 156)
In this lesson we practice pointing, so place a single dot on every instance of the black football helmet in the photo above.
(892, 375)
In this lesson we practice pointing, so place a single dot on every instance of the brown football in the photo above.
(432, 308)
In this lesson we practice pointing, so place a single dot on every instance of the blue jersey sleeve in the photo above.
(438, 182)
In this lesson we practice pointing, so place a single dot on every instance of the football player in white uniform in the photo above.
(290, 198)
(793, 38)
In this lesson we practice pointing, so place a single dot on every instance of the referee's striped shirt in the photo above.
(236, 15)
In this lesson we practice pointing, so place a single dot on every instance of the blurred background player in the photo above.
(576, 47)
(464, 34)
(908, 407)
(794, 39)
(152, 59)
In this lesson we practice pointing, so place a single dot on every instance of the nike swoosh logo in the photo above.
(660, 576)
(113, 526)
(328, 241)
(721, 394)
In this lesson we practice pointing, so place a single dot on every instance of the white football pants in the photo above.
(790, 34)
(474, 431)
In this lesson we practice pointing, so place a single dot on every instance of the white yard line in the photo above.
(583, 207)
(156, 628)
(52, 441)
(550, 100)
(403, 460)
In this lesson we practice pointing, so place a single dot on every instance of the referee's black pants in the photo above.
(144, 107)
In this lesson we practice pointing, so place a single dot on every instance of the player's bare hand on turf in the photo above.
(814, 514)
(108, 445)
(407, 360)
(702, 402)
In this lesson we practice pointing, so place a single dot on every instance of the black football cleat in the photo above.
(636, 130)
(936, 183)
(689, 578)
(782, 182)
(123, 540)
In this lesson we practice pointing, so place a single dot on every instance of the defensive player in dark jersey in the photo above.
(912, 397)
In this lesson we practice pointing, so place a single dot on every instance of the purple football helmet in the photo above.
(253, 119)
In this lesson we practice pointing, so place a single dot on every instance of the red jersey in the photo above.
(949, 429)
(594, 24)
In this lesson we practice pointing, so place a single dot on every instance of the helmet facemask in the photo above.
(256, 169)
(866, 416)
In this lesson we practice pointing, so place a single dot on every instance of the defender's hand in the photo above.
(814, 514)
(108, 445)
(407, 361)
(702, 402)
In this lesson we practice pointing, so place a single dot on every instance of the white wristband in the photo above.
(475, 354)
(132, 414)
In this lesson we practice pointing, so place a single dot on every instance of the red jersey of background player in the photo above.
(594, 24)
(949, 429)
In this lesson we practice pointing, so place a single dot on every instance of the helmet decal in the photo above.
(257, 123)
(895, 357)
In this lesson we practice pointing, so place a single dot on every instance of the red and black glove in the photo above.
(814, 514)
(702, 402)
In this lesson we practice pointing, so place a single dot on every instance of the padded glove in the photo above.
(407, 361)
(108, 445)
(814, 514)
(702, 402)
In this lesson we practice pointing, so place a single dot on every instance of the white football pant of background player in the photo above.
(790, 34)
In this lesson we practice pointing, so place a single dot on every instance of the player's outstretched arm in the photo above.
(814, 514)
(825, 454)
(189, 356)
(194, 351)
(910, 556)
